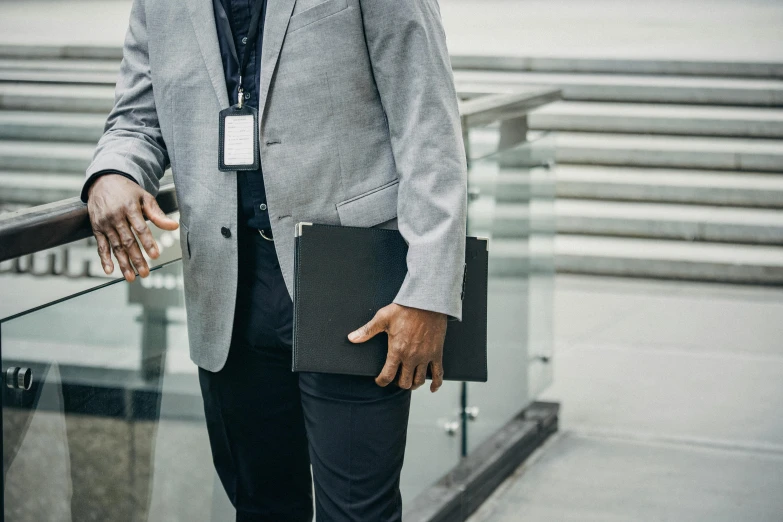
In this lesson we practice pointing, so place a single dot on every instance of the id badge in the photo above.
(238, 149)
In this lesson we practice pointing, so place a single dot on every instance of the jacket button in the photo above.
(226, 232)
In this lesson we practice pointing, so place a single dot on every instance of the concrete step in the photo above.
(56, 98)
(625, 88)
(743, 189)
(38, 188)
(756, 264)
(54, 52)
(48, 157)
(669, 151)
(659, 119)
(668, 221)
(61, 65)
(612, 218)
(25, 125)
(59, 77)
(754, 69)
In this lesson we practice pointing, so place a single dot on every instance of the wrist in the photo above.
(101, 178)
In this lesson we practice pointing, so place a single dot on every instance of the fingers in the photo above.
(437, 376)
(375, 326)
(120, 255)
(153, 212)
(104, 252)
(389, 371)
(132, 250)
(117, 207)
(406, 377)
(139, 226)
(419, 376)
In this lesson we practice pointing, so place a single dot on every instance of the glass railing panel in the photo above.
(541, 278)
(33, 280)
(434, 438)
(112, 426)
(512, 203)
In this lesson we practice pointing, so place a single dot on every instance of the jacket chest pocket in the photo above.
(370, 208)
(307, 12)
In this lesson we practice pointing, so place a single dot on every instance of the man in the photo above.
(358, 125)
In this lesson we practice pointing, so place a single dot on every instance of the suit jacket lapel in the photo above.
(202, 16)
(278, 13)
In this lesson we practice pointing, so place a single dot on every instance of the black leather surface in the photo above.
(343, 275)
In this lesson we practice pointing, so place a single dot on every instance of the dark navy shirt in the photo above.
(264, 315)
(232, 18)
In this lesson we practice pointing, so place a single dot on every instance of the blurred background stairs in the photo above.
(665, 168)
(53, 105)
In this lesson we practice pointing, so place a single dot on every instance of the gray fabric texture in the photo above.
(359, 125)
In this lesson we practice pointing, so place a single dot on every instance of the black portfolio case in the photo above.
(343, 275)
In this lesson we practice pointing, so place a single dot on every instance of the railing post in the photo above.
(154, 340)
(466, 137)
(513, 132)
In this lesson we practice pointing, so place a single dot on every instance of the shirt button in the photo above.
(226, 232)
(262, 206)
(244, 40)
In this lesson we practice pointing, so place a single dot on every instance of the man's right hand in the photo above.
(117, 208)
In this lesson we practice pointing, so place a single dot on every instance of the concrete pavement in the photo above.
(671, 394)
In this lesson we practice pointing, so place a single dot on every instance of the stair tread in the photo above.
(666, 249)
(34, 90)
(661, 212)
(48, 118)
(673, 143)
(43, 180)
(60, 65)
(615, 62)
(673, 177)
(660, 110)
(691, 82)
(47, 149)
(59, 76)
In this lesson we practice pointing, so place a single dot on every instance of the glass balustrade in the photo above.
(102, 410)
(512, 203)
(44, 276)
(101, 403)
(106, 417)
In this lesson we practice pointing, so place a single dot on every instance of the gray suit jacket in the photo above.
(359, 125)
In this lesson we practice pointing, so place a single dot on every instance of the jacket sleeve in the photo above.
(410, 62)
(132, 142)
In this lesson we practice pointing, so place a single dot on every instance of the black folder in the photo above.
(343, 275)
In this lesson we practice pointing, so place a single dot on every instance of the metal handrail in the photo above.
(31, 230)
(55, 224)
(484, 107)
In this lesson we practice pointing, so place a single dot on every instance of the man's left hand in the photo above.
(415, 342)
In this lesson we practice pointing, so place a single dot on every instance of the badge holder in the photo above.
(238, 126)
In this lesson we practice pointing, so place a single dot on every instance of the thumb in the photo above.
(375, 326)
(153, 212)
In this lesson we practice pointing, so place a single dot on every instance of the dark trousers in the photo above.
(267, 425)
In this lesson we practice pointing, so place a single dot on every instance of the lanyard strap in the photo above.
(255, 24)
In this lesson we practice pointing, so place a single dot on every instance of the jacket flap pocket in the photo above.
(315, 13)
(370, 208)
